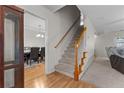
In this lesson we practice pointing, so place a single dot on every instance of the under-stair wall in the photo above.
(81, 50)
(90, 43)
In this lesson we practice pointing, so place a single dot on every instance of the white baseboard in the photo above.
(50, 71)
(65, 73)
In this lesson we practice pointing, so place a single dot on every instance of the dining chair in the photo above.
(34, 55)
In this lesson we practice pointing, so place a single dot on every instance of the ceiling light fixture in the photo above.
(40, 35)
(95, 36)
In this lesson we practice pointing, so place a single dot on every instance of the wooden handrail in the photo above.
(67, 32)
(77, 69)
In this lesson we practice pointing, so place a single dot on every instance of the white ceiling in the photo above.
(54, 8)
(105, 18)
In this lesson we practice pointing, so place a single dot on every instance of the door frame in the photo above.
(33, 13)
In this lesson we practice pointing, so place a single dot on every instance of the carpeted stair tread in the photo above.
(66, 63)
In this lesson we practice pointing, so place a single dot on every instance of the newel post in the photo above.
(76, 70)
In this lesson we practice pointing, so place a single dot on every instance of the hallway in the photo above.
(102, 75)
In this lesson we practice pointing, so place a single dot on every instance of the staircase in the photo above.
(67, 62)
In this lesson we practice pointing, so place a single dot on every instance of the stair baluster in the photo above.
(78, 67)
(76, 73)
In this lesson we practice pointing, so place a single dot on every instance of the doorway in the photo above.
(34, 47)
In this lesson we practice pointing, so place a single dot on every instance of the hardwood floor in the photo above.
(33, 72)
(35, 78)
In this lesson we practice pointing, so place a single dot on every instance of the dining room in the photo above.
(34, 46)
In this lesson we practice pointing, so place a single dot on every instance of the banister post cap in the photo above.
(85, 28)
(77, 45)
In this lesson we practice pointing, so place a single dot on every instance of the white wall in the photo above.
(90, 42)
(106, 40)
(31, 29)
(56, 25)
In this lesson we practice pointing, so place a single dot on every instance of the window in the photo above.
(120, 42)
